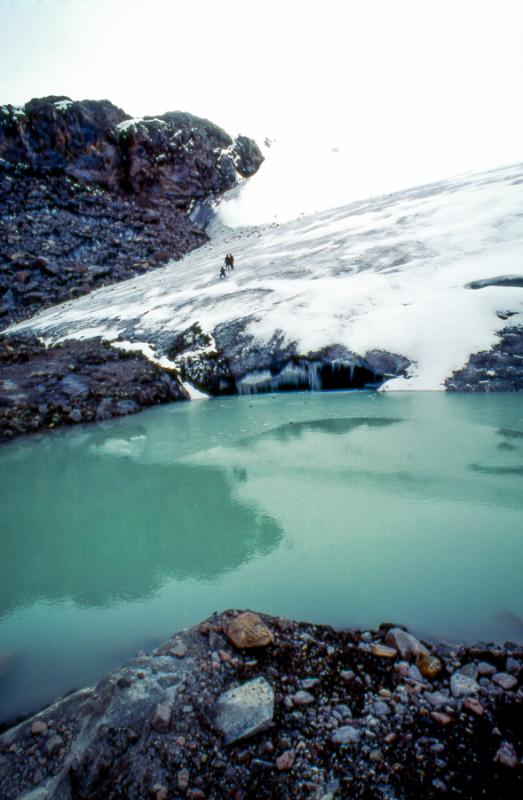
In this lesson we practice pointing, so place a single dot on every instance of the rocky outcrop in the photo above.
(89, 196)
(310, 713)
(42, 388)
(94, 142)
(497, 370)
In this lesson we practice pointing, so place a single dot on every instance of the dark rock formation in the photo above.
(42, 388)
(316, 713)
(233, 362)
(89, 196)
(495, 370)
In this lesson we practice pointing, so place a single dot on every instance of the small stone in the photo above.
(284, 624)
(381, 709)
(441, 718)
(73, 386)
(302, 698)
(407, 645)
(245, 710)
(506, 755)
(505, 680)
(470, 670)
(484, 668)
(309, 683)
(38, 727)
(75, 415)
(345, 735)
(159, 792)
(124, 407)
(178, 649)
(429, 666)
(182, 779)
(513, 665)
(382, 651)
(413, 674)
(473, 705)
(162, 717)
(225, 656)
(436, 699)
(461, 685)
(376, 755)
(286, 760)
(54, 745)
(249, 630)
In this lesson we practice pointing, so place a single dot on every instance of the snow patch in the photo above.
(63, 105)
(391, 274)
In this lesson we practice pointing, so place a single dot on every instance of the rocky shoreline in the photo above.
(42, 388)
(249, 706)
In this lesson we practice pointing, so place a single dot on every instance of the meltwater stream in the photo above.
(342, 508)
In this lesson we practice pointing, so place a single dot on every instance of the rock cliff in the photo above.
(89, 196)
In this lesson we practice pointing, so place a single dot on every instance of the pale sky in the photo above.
(362, 96)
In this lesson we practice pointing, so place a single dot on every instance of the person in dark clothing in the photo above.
(231, 261)
(222, 273)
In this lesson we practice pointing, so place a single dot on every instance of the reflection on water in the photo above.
(345, 508)
(106, 530)
(335, 427)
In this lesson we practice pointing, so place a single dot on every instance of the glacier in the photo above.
(404, 287)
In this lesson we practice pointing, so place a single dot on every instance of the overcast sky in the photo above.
(362, 96)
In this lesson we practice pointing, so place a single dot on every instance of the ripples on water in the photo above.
(343, 508)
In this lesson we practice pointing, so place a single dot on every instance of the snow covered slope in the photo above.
(432, 274)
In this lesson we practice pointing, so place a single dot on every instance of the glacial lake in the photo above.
(347, 508)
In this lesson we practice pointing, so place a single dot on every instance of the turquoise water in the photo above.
(343, 508)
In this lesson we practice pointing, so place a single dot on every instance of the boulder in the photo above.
(462, 686)
(245, 710)
(248, 630)
(407, 645)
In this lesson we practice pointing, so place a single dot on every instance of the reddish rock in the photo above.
(383, 651)
(286, 760)
(505, 680)
(429, 666)
(38, 727)
(159, 792)
(441, 718)
(248, 630)
(474, 705)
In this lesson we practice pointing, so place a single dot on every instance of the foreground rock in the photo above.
(168, 724)
(42, 388)
(89, 197)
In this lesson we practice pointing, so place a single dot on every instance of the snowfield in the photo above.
(391, 273)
